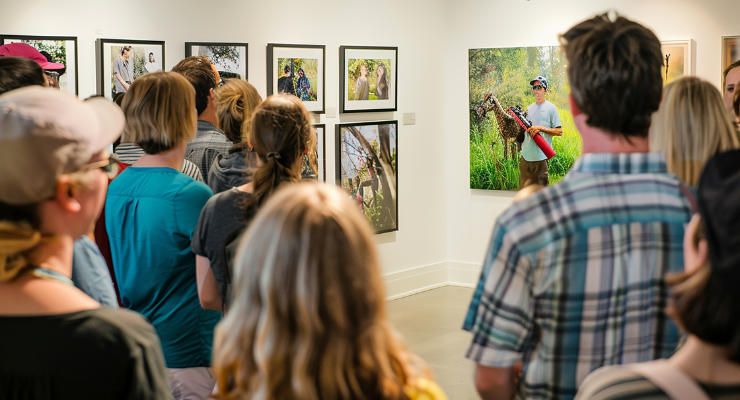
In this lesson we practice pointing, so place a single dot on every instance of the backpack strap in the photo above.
(670, 379)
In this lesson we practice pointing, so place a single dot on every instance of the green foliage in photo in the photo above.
(310, 67)
(57, 49)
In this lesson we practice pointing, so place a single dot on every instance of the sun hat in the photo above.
(27, 51)
(45, 133)
(542, 80)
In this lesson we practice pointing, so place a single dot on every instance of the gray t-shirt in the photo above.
(126, 70)
(545, 114)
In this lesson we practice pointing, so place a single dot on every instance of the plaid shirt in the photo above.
(574, 276)
(208, 143)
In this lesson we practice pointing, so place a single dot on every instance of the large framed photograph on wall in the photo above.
(314, 162)
(297, 69)
(677, 60)
(230, 59)
(121, 61)
(368, 79)
(57, 49)
(367, 169)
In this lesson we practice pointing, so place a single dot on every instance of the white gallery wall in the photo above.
(444, 226)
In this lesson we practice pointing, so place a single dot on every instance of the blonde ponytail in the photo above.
(15, 239)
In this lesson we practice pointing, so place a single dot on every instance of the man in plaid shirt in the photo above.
(574, 275)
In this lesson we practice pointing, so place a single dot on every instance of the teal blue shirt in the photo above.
(150, 216)
(545, 114)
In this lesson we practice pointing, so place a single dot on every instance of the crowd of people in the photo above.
(193, 263)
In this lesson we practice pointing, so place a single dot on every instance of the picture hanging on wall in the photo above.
(368, 79)
(56, 49)
(121, 61)
(367, 169)
(730, 50)
(499, 80)
(230, 59)
(314, 162)
(297, 69)
(677, 60)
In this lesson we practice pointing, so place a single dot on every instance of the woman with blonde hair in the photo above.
(308, 319)
(236, 100)
(691, 126)
(56, 342)
(281, 133)
(150, 215)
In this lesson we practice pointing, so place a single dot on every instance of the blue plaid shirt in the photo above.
(574, 275)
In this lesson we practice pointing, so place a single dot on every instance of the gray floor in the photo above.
(430, 323)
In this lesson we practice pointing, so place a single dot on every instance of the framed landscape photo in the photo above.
(367, 169)
(368, 79)
(121, 61)
(730, 50)
(230, 59)
(61, 49)
(297, 69)
(677, 60)
(314, 162)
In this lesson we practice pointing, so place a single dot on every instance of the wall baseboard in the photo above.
(428, 277)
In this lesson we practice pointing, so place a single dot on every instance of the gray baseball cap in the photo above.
(45, 133)
(540, 78)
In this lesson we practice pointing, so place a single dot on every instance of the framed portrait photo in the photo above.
(121, 61)
(730, 50)
(677, 60)
(367, 169)
(57, 49)
(230, 59)
(314, 162)
(368, 79)
(297, 69)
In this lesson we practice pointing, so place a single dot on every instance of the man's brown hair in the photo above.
(198, 70)
(614, 73)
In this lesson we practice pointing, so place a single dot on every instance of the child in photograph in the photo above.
(304, 86)
(382, 86)
(362, 88)
(151, 65)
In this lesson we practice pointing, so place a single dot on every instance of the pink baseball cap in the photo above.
(27, 51)
(45, 133)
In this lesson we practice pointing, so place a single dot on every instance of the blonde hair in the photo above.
(308, 319)
(160, 111)
(691, 126)
(236, 101)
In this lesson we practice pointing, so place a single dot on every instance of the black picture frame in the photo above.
(103, 52)
(242, 65)
(298, 53)
(372, 57)
(364, 174)
(319, 151)
(71, 71)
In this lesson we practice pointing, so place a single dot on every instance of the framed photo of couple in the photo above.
(57, 49)
(297, 69)
(368, 79)
(121, 61)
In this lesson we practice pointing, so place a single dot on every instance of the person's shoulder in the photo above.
(191, 187)
(617, 382)
(118, 325)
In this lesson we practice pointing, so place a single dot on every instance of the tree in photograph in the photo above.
(384, 170)
(220, 54)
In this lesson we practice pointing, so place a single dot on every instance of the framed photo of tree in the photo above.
(57, 49)
(297, 69)
(367, 169)
(121, 61)
(314, 162)
(230, 59)
(677, 59)
(368, 79)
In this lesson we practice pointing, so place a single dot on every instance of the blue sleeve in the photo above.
(189, 202)
(90, 272)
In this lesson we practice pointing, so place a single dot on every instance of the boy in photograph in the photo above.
(123, 70)
(151, 65)
(545, 121)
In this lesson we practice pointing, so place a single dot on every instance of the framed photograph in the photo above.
(230, 59)
(367, 169)
(368, 79)
(121, 61)
(297, 69)
(61, 49)
(677, 60)
(314, 162)
(730, 50)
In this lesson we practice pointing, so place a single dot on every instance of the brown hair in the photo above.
(159, 111)
(727, 71)
(308, 319)
(281, 131)
(614, 73)
(125, 48)
(18, 72)
(690, 127)
(199, 72)
(236, 100)
(706, 307)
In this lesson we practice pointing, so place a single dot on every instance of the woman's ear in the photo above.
(65, 195)
(695, 255)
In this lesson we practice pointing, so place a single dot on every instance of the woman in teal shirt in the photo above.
(151, 212)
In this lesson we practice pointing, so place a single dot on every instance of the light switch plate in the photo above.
(409, 118)
(331, 112)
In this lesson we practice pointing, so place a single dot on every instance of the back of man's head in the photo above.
(614, 73)
(18, 72)
(198, 70)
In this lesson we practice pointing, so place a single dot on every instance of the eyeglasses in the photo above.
(109, 166)
(221, 82)
(537, 87)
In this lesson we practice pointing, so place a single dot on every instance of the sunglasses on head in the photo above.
(109, 166)
(536, 87)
